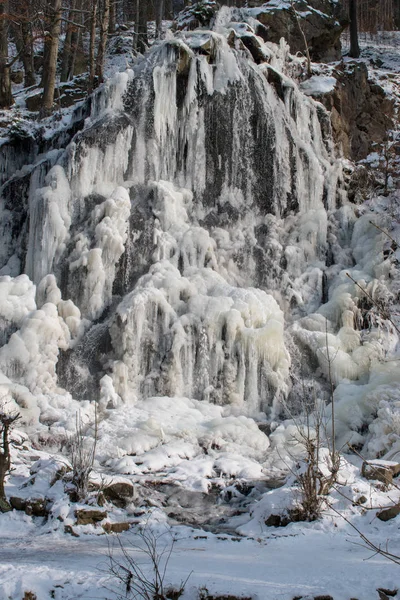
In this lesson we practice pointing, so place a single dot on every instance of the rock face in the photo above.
(361, 113)
(321, 21)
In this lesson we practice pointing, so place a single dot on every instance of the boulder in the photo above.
(321, 21)
(380, 470)
(35, 507)
(89, 516)
(118, 527)
(119, 493)
(18, 503)
(389, 513)
(200, 14)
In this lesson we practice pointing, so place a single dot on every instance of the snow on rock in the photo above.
(167, 432)
(318, 84)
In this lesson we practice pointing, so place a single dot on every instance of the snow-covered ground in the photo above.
(300, 560)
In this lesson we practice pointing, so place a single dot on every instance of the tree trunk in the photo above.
(113, 17)
(68, 45)
(92, 46)
(142, 41)
(354, 51)
(160, 11)
(50, 83)
(5, 458)
(6, 99)
(27, 53)
(103, 41)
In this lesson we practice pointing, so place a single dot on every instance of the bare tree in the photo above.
(55, 16)
(136, 581)
(141, 37)
(104, 24)
(82, 452)
(7, 421)
(6, 99)
(92, 45)
(303, 35)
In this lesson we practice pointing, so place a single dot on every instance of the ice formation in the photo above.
(190, 248)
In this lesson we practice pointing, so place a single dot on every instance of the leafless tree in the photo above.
(7, 421)
(82, 451)
(137, 581)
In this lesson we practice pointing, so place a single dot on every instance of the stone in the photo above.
(197, 15)
(116, 527)
(4, 506)
(361, 500)
(34, 102)
(361, 113)
(385, 594)
(18, 503)
(69, 529)
(321, 21)
(255, 48)
(380, 470)
(35, 507)
(119, 493)
(389, 513)
(89, 516)
(273, 521)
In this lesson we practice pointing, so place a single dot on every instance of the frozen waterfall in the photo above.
(177, 232)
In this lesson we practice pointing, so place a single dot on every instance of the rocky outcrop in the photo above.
(321, 21)
(361, 113)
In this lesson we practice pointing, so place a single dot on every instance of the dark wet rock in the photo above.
(386, 594)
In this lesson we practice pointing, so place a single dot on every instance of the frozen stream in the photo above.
(295, 563)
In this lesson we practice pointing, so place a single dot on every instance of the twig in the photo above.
(382, 312)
